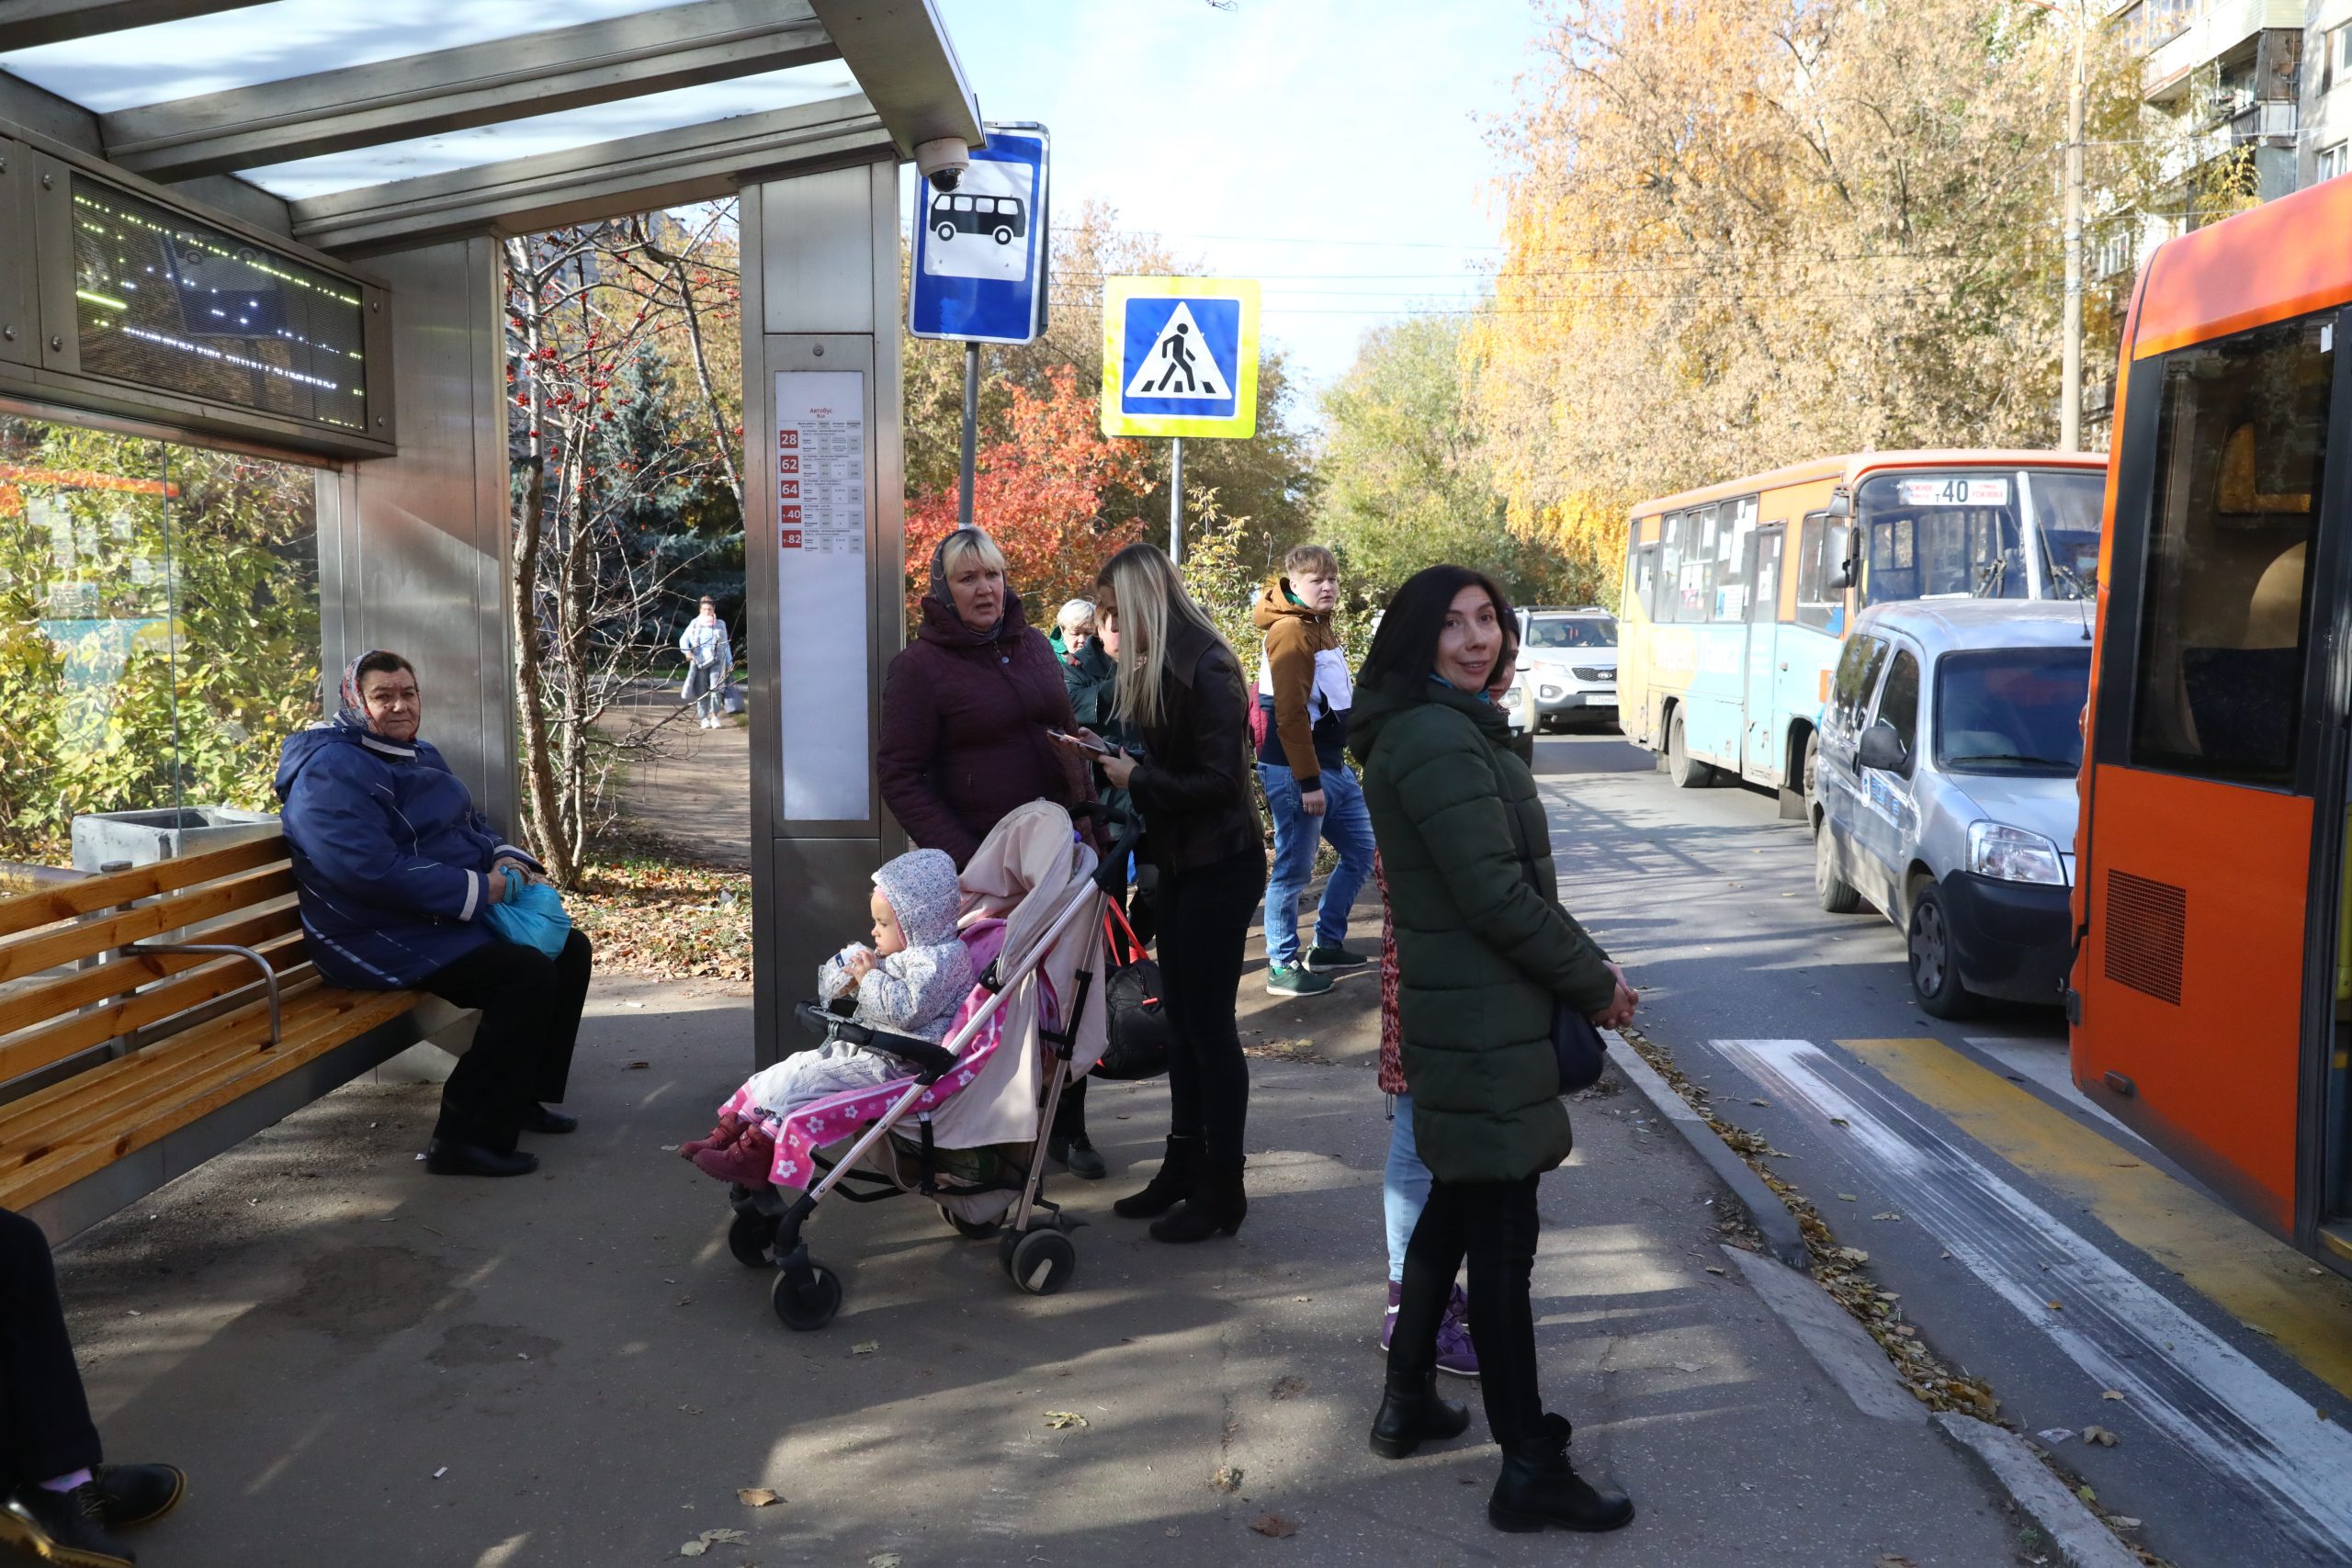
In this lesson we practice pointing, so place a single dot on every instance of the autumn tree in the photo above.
(1744, 233)
(1406, 481)
(1041, 490)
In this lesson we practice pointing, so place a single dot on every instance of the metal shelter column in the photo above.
(824, 562)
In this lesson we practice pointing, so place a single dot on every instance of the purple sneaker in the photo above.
(1389, 1323)
(1455, 1353)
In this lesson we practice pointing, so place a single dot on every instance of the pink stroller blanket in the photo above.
(842, 1116)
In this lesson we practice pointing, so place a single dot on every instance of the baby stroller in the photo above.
(967, 1127)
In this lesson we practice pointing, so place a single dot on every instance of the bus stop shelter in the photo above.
(350, 171)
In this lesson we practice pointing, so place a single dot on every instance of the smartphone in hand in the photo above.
(1084, 742)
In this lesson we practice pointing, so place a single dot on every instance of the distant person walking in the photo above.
(1311, 792)
(1180, 686)
(1487, 955)
(710, 663)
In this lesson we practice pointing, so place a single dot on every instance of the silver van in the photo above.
(1946, 789)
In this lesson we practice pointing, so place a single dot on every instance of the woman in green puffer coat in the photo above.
(1486, 954)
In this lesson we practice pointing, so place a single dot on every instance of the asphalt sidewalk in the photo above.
(362, 1363)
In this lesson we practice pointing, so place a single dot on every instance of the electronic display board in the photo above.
(165, 302)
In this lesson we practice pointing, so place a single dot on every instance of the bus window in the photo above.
(1940, 535)
(2067, 509)
(2241, 439)
(1699, 564)
(1730, 596)
(1668, 607)
(1820, 552)
(1764, 572)
(1645, 577)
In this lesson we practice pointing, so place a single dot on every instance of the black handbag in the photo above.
(1136, 1033)
(1576, 1049)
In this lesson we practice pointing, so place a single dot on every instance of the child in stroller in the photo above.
(910, 983)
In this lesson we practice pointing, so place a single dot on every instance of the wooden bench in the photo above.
(151, 1018)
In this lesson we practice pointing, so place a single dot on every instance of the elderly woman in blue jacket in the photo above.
(395, 868)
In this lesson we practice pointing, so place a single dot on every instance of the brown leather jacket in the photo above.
(1193, 788)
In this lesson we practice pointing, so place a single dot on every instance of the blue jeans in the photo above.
(1404, 1184)
(1347, 823)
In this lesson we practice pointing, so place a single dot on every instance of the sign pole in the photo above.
(971, 434)
(1176, 500)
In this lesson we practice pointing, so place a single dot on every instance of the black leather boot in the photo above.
(1179, 1170)
(1411, 1414)
(1538, 1489)
(1217, 1204)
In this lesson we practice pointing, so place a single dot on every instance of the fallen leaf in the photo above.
(2055, 1306)
(1713, 1270)
(883, 1560)
(2053, 1436)
(1853, 1255)
(756, 1496)
(1763, 1102)
(1840, 1121)
(694, 1548)
(1687, 1367)
(1289, 1387)
(635, 1066)
(2110, 1394)
(727, 1538)
(2098, 1435)
(1062, 1420)
(1227, 1480)
(2123, 1521)
(1273, 1525)
(1890, 1214)
(1891, 1560)
(1848, 1198)
(865, 1347)
(2086, 1495)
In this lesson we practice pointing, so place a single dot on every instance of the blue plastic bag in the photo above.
(528, 914)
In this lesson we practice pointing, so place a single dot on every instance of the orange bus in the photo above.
(2211, 998)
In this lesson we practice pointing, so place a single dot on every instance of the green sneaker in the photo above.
(1323, 960)
(1300, 982)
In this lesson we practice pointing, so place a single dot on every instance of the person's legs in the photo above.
(1296, 836)
(46, 1433)
(1200, 979)
(522, 997)
(1403, 1186)
(573, 966)
(1499, 1226)
(1347, 823)
(1410, 1411)
(1180, 1166)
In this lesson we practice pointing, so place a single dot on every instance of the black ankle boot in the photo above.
(1411, 1414)
(1180, 1170)
(1538, 1489)
(1218, 1204)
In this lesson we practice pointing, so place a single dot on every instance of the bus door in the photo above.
(1759, 757)
(2210, 988)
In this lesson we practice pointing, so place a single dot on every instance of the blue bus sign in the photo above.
(981, 249)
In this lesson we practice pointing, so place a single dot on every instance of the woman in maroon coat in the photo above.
(964, 711)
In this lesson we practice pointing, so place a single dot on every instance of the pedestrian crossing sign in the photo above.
(1180, 357)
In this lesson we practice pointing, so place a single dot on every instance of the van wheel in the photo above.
(1686, 771)
(1933, 976)
(1832, 892)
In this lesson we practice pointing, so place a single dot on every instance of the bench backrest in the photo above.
(50, 1013)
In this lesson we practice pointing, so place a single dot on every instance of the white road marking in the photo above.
(2257, 1437)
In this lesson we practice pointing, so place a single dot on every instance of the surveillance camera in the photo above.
(942, 162)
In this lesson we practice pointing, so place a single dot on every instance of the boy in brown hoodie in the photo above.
(1311, 792)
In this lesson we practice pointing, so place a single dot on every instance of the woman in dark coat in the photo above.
(1179, 686)
(1485, 955)
(966, 708)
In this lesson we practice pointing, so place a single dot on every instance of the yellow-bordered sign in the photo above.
(1180, 357)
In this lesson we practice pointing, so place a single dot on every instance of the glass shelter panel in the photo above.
(159, 627)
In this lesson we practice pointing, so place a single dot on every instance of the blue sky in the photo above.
(1335, 149)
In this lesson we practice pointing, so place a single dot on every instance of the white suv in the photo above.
(1567, 667)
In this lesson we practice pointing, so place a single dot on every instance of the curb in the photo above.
(1772, 1219)
(1841, 1346)
(2082, 1542)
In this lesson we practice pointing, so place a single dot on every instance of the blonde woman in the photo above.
(1181, 689)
